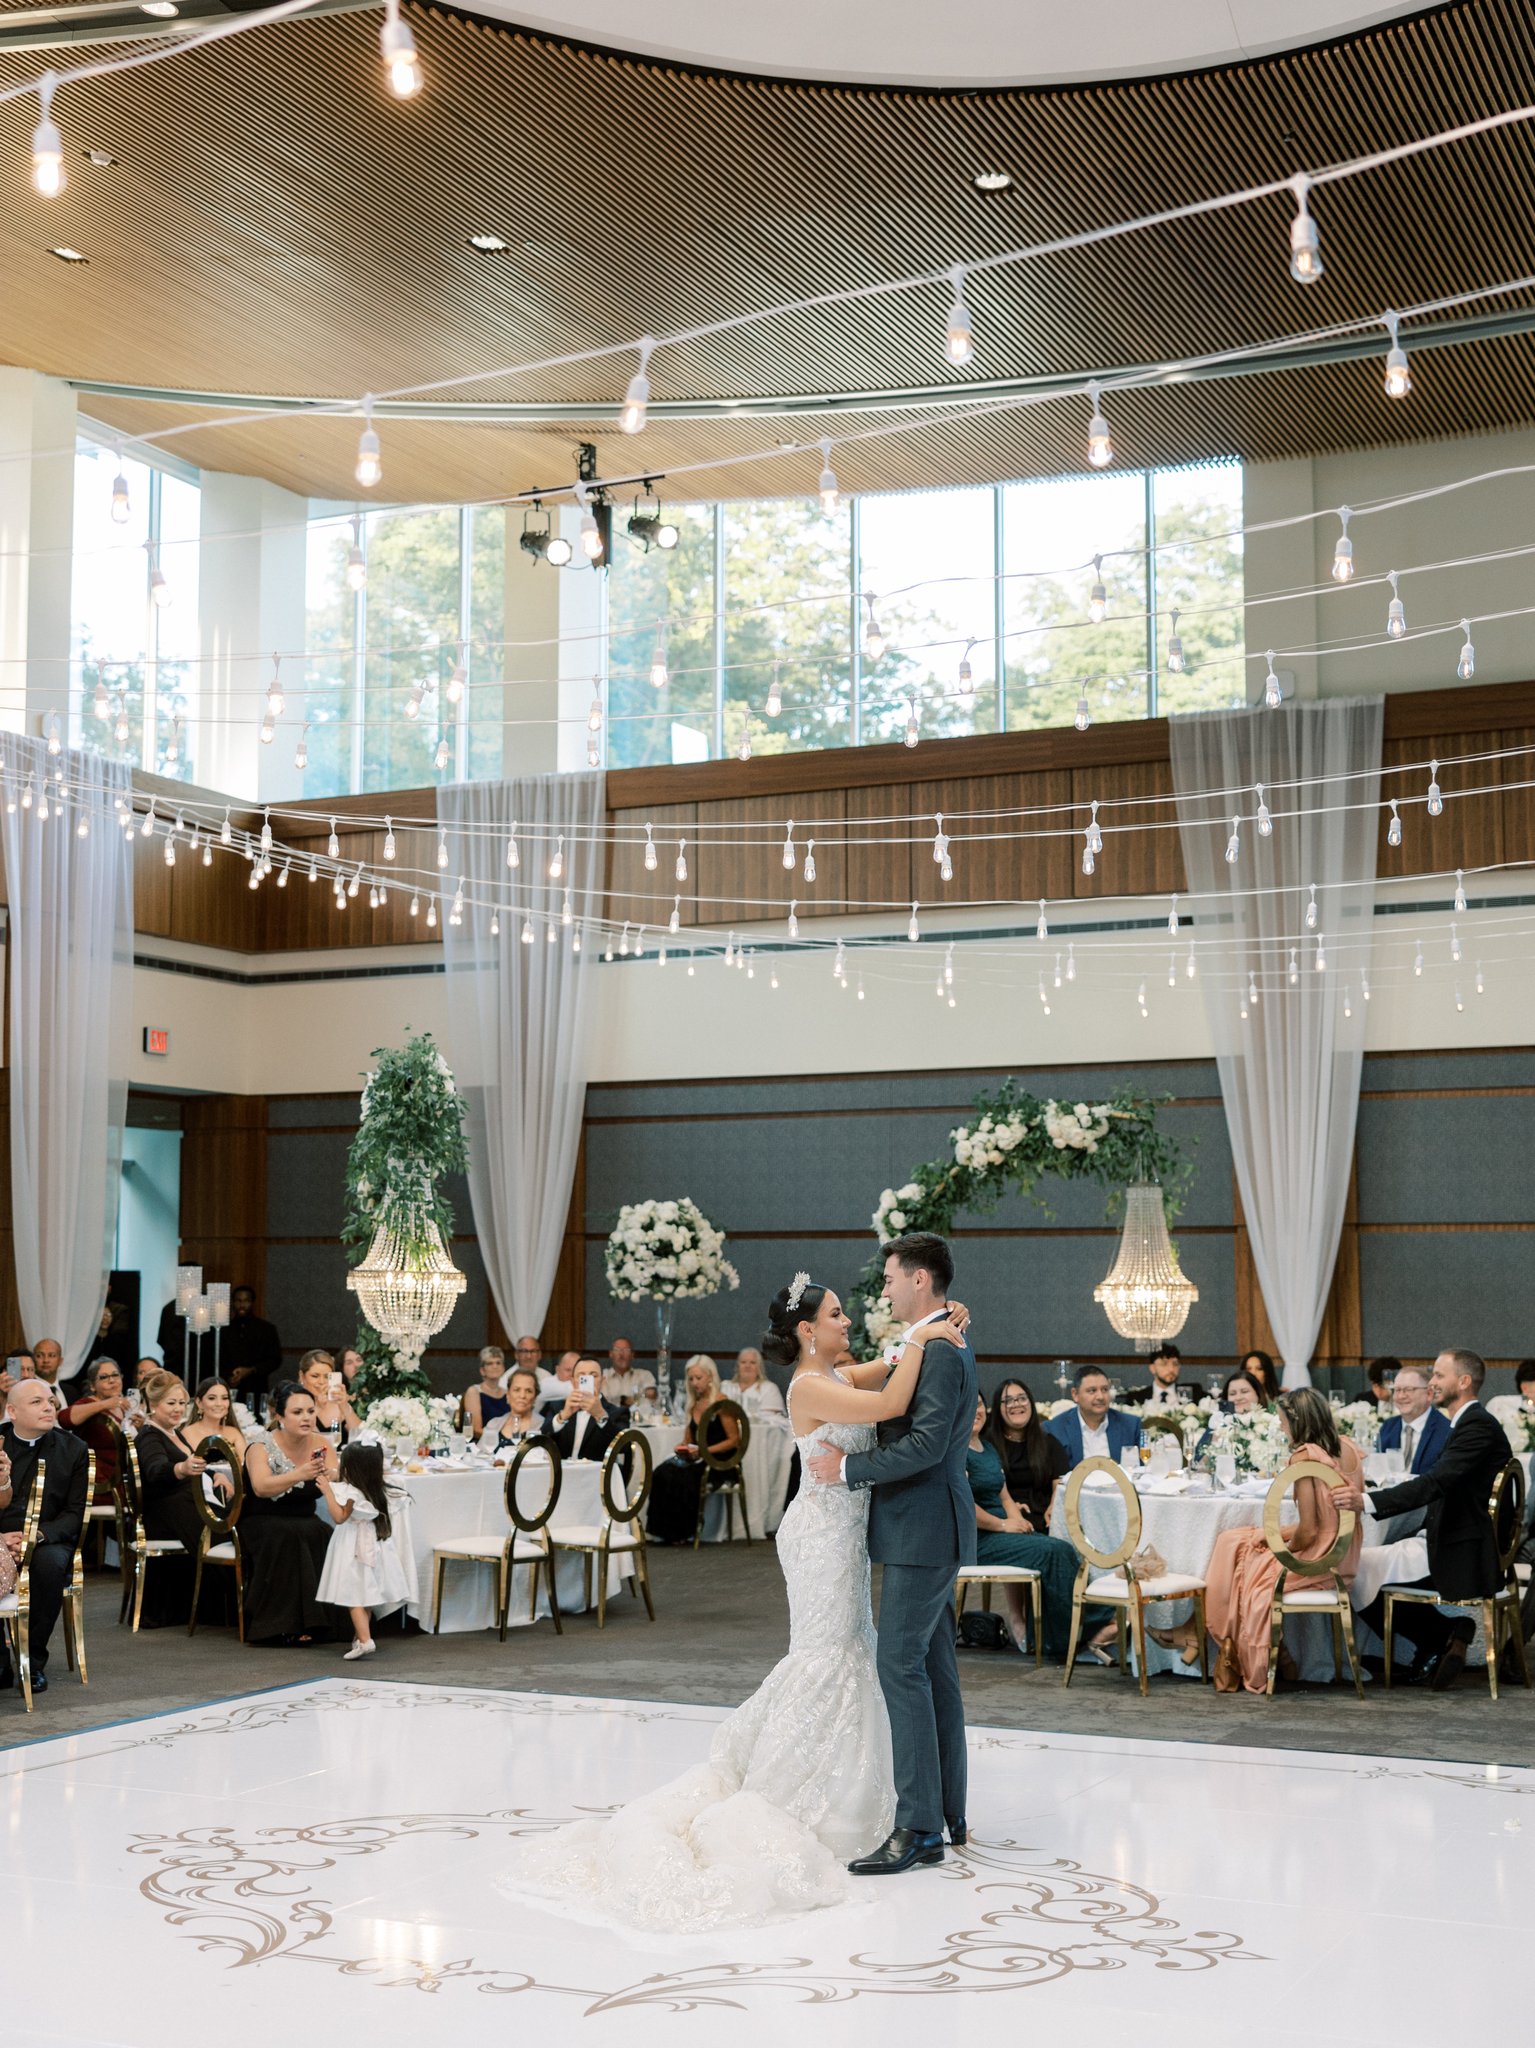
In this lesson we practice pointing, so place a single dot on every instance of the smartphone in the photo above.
(337, 1384)
(586, 1383)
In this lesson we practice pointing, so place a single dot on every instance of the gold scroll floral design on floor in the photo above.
(1037, 1919)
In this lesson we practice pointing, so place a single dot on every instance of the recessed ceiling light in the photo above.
(68, 255)
(992, 181)
(489, 245)
(162, 10)
(103, 159)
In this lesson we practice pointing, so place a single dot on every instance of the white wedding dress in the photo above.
(798, 1780)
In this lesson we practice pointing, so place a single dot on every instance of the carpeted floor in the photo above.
(721, 1622)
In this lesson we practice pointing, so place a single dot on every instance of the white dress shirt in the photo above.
(1095, 1442)
(619, 1387)
(762, 1401)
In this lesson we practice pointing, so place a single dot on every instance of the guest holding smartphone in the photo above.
(586, 1424)
(282, 1536)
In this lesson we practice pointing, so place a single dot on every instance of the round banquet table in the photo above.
(768, 1458)
(1184, 1528)
(446, 1503)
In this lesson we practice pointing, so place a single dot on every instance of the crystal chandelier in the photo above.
(1145, 1295)
(407, 1291)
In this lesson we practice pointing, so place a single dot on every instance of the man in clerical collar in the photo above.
(30, 1437)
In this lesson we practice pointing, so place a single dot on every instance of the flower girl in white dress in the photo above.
(366, 1568)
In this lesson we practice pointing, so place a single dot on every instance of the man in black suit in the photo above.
(1462, 1547)
(1166, 1389)
(31, 1433)
(586, 1424)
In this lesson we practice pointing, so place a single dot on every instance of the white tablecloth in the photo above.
(444, 1504)
(1184, 1528)
(768, 1458)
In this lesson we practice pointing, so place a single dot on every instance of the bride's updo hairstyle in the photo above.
(780, 1342)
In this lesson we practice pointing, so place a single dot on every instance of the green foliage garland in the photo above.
(1017, 1137)
(410, 1136)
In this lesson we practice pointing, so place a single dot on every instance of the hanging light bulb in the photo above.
(827, 484)
(100, 703)
(399, 48)
(121, 728)
(1273, 695)
(1044, 1000)
(567, 911)
(453, 688)
(431, 913)
(1172, 918)
(1172, 970)
(1084, 717)
(1398, 379)
(513, 857)
(623, 944)
(440, 758)
(1234, 843)
(1348, 1002)
(355, 884)
(370, 455)
(207, 853)
(651, 857)
(274, 696)
(1305, 243)
(1140, 997)
(1175, 647)
(958, 335)
(913, 731)
(774, 702)
(1094, 831)
(121, 507)
(1319, 965)
(912, 931)
(1252, 988)
(356, 561)
(1394, 829)
(1435, 793)
(1098, 597)
(1343, 551)
(594, 716)
(1057, 970)
(557, 864)
(593, 751)
(591, 532)
(744, 745)
(637, 398)
(794, 920)
(47, 144)
(809, 860)
(1460, 891)
(301, 751)
(268, 731)
(1265, 820)
(948, 965)
(1364, 986)
(1396, 617)
(1311, 911)
(159, 589)
(1190, 967)
(873, 638)
(1071, 962)
(332, 844)
(1042, 923)
(1100, 449)
(1465, 668)
(839, 962)
(966, 678)
(658, 669)
(681, 868)
(1481, 988)
(442, 849)
(1294, 967)
(789, 855)
(1417, 961)
(1454, 941)
(527, 933)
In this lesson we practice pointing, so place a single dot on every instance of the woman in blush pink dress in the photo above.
(1243, 1570)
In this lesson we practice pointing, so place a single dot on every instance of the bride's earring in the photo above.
(812, 1347)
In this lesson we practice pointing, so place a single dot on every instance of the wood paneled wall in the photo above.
(224, 1188)
(717, 806)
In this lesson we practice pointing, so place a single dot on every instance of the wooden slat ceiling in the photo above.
(274, 223)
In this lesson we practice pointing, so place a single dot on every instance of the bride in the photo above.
(798, 1780)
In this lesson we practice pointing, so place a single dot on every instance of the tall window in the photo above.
(673, 720)
(135, 660)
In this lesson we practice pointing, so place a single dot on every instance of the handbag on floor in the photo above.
(981, 1632)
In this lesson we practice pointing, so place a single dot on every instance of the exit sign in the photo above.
(157, 1040)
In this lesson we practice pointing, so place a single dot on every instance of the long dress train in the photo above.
(798, 1780)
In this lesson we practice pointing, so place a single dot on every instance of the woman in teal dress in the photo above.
(1002, 1537)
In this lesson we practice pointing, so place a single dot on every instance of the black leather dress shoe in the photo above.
(959, 1833)
(904, 1849)
(1449, 1664)
(39, 1681)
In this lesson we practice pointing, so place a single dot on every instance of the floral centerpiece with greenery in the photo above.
(1257, 1441)
(1015, 1140)
(411, 1135)
(1360, 1420)
(666, 1252)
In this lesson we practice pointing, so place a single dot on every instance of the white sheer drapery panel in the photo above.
(70, 938)
(518, 1017)
(1289, 1072)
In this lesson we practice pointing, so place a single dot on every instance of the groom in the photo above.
(921, 1529)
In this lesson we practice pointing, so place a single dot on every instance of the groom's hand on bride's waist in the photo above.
(826, 1467)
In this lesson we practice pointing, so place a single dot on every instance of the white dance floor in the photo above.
(318, 1862)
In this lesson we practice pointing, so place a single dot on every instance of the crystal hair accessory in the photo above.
(797, 1288)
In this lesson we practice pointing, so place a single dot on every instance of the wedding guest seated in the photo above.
(624, 1381)
(1462, 1545)
(1241, 1394)
(1005, 1535)
(96, 1415)
(557, 1385)
(1243, 1571)
(521, 1419)
(678, 1480)
(753, 1391)
(283, 1538)
(47, 1359)
(1417, 1429)
(31, 1432)
(171, 1476)
(529, 1354)
(1524, 1381)
(1093, 1428)
(485, 1402)
(212, 1414)
(1166, 1389)
(585, 1424)
(334, 1416)
(1378, 1376)
(1264, 1374)
(348, 1363)
(1033, 1461)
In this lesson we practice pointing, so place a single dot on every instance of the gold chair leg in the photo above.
(1203, 1627)
(533, 1571)
(1346, 1630)
(438, 1564)
(24, 1654)
(197, 1587)
(1490, 1628)
(503, 1592)
(961, 1595)
(602, 1589)
(1076, 1631)
(746, 1520)
(1390, 1629)
(74, 1631)
(1276, 1633)
(554, 1595)
(1037, 1609)
(642, 1566)
(239, 1597)
(1138, 1624)
(140, 1574)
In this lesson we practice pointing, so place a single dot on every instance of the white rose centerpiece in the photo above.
(667, 1251)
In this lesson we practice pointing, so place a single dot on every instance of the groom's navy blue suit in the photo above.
(922, 1529)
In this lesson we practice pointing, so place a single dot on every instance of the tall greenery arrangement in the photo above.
(410, 1136)
(1015, 1139)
